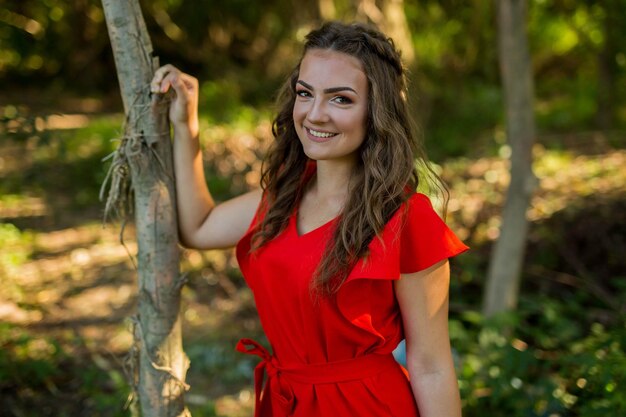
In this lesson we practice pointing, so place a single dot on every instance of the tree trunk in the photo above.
(503, 277)
(146, 152)
(607, 65)
(327, 9)
(397, 28)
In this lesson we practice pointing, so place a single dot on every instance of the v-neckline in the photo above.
(294, 225)
(309, 172)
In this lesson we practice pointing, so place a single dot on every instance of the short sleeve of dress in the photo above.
(425, 238)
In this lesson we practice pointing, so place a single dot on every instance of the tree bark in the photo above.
(147, 153)
(389, 16)
(504, 274)
(397, 27)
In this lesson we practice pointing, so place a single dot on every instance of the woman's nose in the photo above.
(317, 112)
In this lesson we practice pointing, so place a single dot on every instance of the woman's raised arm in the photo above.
(202, 224)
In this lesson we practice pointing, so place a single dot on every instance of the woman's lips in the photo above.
(318, 135)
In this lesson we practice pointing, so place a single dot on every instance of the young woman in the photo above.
(344, 258)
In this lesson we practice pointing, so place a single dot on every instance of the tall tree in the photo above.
(389, 16)
(145, 152)
(608, 68)
(327, 9)
(397, 27)
(503, 276)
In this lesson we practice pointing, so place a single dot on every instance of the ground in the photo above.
(69, 284)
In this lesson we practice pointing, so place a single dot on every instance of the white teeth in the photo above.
(320, 134)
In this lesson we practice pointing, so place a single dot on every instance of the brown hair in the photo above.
(386, 169)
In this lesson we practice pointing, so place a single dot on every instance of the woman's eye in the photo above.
(303, 93)
(342, 100)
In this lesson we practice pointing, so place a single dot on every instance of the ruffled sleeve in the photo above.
(242, 249)
(413, 239)
(425, 238)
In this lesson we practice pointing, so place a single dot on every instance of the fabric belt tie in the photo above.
(279, 378)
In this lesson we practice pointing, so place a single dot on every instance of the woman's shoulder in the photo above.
(416, 205)
(419, 200)
(425, 238)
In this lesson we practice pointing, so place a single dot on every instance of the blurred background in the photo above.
(67, 284)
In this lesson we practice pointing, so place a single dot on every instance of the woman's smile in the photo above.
(319, 136)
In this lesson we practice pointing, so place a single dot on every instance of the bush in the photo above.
(519, 365)
(39, 378)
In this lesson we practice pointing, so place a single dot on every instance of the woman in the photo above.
(344, 258)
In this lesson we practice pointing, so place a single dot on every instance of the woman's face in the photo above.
(330, 111)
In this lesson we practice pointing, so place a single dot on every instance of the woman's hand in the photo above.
(183, 110)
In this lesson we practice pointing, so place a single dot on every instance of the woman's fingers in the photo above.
(184, 83)
(184, 102)
(161, 80)
(169, 76)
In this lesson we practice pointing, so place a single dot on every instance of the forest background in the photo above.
(68, 285)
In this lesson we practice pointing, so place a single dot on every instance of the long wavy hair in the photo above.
(385, 173)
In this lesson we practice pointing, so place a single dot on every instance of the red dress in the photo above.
(333, 357)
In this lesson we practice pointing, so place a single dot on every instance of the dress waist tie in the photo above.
(279, 378)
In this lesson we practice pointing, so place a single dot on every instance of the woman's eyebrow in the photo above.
(328, 90)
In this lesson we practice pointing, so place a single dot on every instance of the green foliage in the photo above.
(471, 108)
(220, 362)
(68, 159)
(205, 410)
(14, 246)
(223, 102)
(597, 369)
(540, 363)
(16, 249)
(18, 124)
(242, 53)
(39, 378)
(562, 351)
(44, 39)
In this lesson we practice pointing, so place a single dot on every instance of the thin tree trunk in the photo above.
(390, 17)
(503, 277)
(146, 152)
(397, 28)
(327, 9)
(607, 66)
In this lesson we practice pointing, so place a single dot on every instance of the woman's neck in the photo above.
(332, 180)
